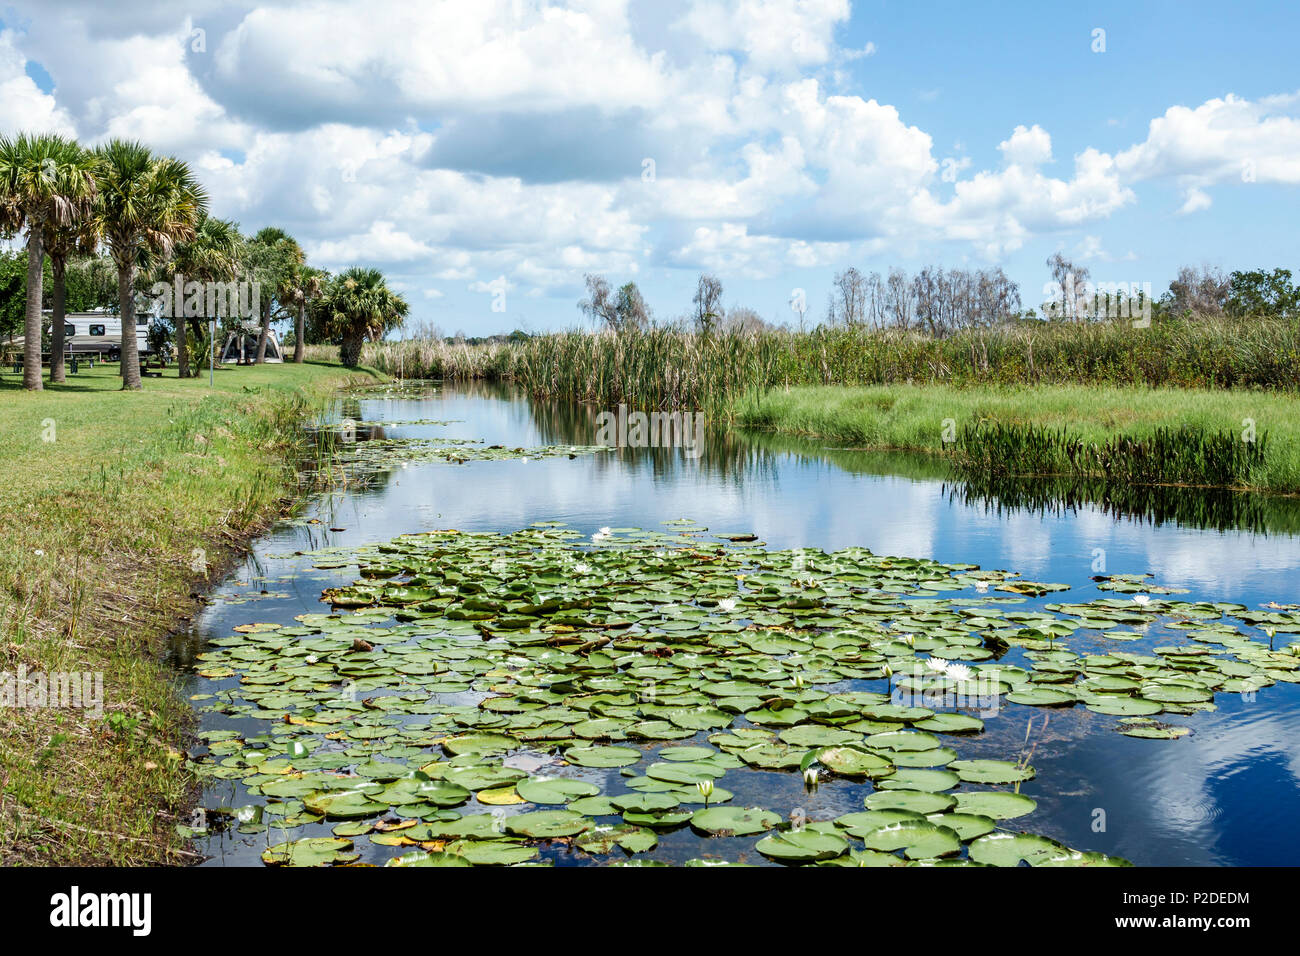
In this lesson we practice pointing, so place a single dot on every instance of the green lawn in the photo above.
(116, 507)
(913, 417)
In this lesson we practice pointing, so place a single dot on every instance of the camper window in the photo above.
(69, 329)
(96, 330)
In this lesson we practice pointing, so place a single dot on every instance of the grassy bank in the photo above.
(1012, 427)
(666, 369)
(117, 508)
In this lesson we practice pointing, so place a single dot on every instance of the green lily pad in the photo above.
(802, 845)
(734, 821)
(547, 824)
(998, 804)
(991, 771)
(312, 851)
(554, 789)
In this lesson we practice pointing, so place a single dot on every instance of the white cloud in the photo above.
(396, 57)
(1027, 147)
(383, 243)
(1227, 140)
(464, 140)
(1222, 140)
(1195, 201)
(23, 105)
(772, 34)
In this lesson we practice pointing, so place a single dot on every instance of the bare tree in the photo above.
(1070, 282)
(630, 308)
(708, 303)
(875, 300)
(955, 299)
(1201, 292)
(624, 309)
(599, 305)
(900, 303)
(848, 298)
(997, 296)
(925, 290)
(744, 319)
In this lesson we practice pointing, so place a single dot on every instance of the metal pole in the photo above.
(212, 347)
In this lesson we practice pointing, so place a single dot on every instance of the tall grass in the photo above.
(668, 369)
(112, 520)
(1167, 456)
(1138, 435)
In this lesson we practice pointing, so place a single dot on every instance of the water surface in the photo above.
(1227, 794)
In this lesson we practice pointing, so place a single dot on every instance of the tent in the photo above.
(241, 345)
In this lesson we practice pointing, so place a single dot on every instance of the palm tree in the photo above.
(80, 237)
(305, 285)
(146, 204)
(215, 253)
(359, 305)
(47, 181)
(274, 256)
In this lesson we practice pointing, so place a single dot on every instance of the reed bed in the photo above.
(667, 369)
(1167, 456)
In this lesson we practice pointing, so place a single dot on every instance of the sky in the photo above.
(487, 154)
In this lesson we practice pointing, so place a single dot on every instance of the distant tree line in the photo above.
(938, 301)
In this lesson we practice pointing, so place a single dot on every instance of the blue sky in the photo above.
(463, 146)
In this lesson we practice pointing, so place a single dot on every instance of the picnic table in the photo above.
(71, 359)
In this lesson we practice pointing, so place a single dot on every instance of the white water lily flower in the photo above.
(605, 532)
(959, 672)
(705, 787)
(981, 585)
(938, 665)
(727, 604)
(581, 568)
(1142, 598)
(810, 776)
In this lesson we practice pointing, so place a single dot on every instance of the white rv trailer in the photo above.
(97, 333)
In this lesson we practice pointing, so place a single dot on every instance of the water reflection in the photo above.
(734, 454)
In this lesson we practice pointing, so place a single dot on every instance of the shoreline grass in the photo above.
(666, 369)
(119, 508)
(919, 417)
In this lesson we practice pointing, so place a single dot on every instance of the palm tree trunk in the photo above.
(57, 373)
(350, 353)
(299, 329)
(126, 307)
(261, 335)
(32, 318)
(182, 347)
